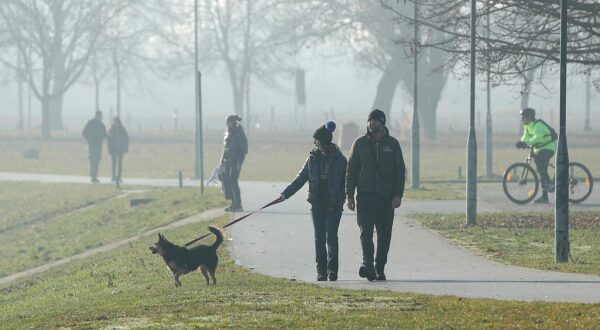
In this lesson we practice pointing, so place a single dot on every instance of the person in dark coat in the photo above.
(94, 132)
(376, 171)
(325, 172)
(118, 145)
(235, 148)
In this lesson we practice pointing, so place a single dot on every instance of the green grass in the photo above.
(525, 239)
(35, 230)
(274, 159)
(435, 192)
(129, 287)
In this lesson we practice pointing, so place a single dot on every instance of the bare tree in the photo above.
(525, 35)
(55, 40)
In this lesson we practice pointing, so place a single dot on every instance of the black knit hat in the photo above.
(233, 119)
(378, 115)
(325, 133)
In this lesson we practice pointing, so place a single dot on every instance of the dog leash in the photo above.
(233, 222)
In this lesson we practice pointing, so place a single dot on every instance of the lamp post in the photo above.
(198, 166)
(488, 114)
(561, 205)
(472, 142)
(415, 134)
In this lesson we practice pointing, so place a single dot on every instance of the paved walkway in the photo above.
(278, 242)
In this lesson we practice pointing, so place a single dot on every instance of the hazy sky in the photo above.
(339, 85)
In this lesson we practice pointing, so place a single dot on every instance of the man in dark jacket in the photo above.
(235, 148)
(95, 132)
(376, 171)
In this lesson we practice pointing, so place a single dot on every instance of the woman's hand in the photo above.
(396, 202)
(280, 199)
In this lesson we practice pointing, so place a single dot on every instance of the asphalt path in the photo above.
(279, 242)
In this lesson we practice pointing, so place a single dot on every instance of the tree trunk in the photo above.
(431, 86)
(55, 112)
(386, 89)
(45, 117)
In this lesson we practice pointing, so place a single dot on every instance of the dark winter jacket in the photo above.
(235, 146)
(117, 140)
(94, 132)
(362, 174)
(311, 172)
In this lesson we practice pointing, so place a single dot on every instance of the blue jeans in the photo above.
(326, 224)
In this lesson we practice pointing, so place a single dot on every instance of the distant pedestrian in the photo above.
(94, 132)
(376, 171)
(325, 172)
(118, 145)
(235, 148)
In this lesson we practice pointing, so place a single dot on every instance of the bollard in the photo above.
(460, 172)
(180, 180)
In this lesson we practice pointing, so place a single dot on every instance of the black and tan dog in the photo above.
(181, 261)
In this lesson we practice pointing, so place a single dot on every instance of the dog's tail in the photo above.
(217, 233)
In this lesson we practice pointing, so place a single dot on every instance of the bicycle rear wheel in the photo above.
(520, 183)
(580, 182)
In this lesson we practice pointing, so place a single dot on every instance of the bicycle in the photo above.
(521, 182)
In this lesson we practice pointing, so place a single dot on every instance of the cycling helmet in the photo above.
(528, 112)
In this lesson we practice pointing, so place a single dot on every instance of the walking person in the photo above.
(118, 145)
(235, 148)
(376, 171)
(541, 137)
(94, 132)
(325, 172)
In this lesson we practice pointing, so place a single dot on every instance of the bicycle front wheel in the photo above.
(580, 182)
(520, 183)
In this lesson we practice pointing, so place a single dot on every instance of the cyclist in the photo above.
(541, 137)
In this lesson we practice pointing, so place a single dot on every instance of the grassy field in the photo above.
(131, 288)
(276, 158)
(40, 223)
(525, 239)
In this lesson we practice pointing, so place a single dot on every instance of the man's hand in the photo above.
(396, 202)
(280, 199)
(350, 203)
(521, 145)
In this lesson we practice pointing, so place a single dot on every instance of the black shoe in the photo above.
(94, 180)
(227, 209)
(333, 276)
(381, 276)
(321, 277)
(367, 272)
(236, 209)
(542, 200)
(379, 272)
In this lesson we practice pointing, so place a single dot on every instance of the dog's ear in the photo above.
(160, 237)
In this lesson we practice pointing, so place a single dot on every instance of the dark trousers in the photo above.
(117, 166)
(231, 186)
(95, 154)
(541, 159)
(326, 224)
(376, 212)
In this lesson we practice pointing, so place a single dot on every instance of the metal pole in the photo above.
(198, 166)
(488, 115)
(415, 137)
(199, 137)
(472, 142)
(588, 126)
(561, 211)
